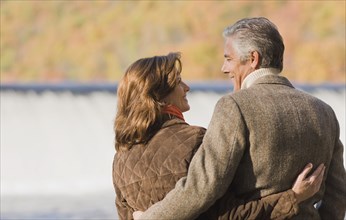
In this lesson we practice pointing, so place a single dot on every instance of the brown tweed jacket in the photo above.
(258, 141)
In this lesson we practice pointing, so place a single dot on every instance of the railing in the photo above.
(214, 86)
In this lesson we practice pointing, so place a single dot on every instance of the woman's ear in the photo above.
(163, 102)
(255, 59)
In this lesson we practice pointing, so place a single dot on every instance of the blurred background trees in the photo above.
(96, 40)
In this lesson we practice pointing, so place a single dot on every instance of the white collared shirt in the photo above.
(252, 77)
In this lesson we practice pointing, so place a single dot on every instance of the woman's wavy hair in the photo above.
(139, 109)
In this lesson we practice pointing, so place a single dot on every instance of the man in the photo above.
(260, 136)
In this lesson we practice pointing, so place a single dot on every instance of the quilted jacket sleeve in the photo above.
(277, 206)
(124, 211)
(284, 205)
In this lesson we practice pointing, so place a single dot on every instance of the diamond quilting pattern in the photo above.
(145, 174)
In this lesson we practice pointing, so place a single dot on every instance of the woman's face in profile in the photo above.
(178, 96)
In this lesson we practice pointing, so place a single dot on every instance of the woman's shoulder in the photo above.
(172, 147)
(180, 127)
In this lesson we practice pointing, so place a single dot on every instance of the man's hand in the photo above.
(137, 215)
(305, 187)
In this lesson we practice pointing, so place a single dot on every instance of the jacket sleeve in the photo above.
(284, 205)
(124, 211)
(277, 206)
(334, 200)
(211, 170)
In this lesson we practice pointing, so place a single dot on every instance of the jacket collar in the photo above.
(273, 79)
(173, 121)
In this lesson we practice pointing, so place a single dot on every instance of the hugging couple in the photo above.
(270, 151)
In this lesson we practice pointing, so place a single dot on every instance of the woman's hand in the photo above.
(305, 187)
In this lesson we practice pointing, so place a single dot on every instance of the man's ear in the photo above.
(255, 59)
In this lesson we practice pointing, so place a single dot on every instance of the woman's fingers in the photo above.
(317, 180)
(305, 172)
(305, 187)
(318, 173)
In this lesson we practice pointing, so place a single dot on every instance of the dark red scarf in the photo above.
(173, 110)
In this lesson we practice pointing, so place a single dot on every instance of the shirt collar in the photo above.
(253, 76)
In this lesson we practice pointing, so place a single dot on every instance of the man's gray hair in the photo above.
(257, 34)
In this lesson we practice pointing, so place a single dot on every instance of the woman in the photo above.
(155, 146)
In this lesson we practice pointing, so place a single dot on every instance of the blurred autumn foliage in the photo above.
(95, 40)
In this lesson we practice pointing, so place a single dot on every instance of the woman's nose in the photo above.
(187, 88)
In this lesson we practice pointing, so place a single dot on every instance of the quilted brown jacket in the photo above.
(144, 175)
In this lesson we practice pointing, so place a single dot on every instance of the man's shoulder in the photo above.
(310, 99)
(228, 98)
(276, 92)
(234, 97)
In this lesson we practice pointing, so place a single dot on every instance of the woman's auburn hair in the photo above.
(139, 109)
